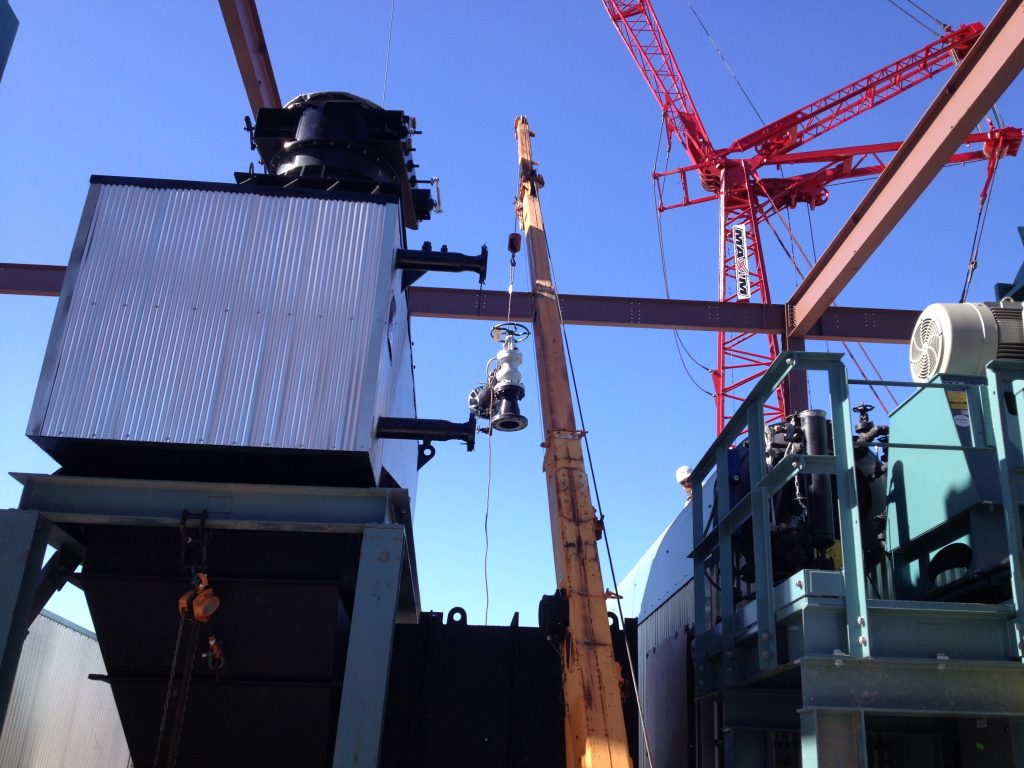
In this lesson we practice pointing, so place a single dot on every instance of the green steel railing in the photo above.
(714, 536)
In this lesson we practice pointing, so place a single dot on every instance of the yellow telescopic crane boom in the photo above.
(595, 730)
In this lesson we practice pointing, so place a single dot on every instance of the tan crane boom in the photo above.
(595, 730)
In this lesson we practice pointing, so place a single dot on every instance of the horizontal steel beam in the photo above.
(987, 70)
(31, 279)
(886, 326)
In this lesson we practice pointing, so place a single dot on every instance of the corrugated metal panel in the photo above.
(214, 317)
(57, 716)
(663, 647)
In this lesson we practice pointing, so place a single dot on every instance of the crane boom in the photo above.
(834, 109)
(640, 30)
(745, 198)
(595, 730)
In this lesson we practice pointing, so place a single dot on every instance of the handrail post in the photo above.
(849, 513)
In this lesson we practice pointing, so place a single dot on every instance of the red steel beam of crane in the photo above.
(246, 33)
(831, 111)
(993, 63)
(886, 326)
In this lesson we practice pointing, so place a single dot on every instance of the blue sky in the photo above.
(147, 89)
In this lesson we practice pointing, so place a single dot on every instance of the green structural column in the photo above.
(367, 664)
(8, 28)
(832, 739)
(23, 537)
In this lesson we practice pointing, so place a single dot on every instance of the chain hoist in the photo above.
(196, 607)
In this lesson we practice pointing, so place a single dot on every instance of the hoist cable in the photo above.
(922, 10)
(487, 515)
(680, 346)
(725, 61)
(807, 259)
(387, 57)
(979, 229)
(912, 17)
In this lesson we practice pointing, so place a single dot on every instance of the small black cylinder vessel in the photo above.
(814, 425)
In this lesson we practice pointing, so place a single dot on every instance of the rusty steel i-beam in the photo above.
(869, 324)
(987, 70)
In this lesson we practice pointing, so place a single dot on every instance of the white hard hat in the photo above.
(682, 474)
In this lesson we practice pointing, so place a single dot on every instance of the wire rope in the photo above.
(681, 348)
(979, 229)
(912, 17)
(387, 57)
(725, 61)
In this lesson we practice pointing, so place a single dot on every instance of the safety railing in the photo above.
(714, 537)
(756, 507)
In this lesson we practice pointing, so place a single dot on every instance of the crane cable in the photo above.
(387, 56)
(979, 225)
(725, 61)
(799, 271)
(578, 405)
(680, 346)
(915, 18)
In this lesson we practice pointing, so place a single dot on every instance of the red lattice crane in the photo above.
(747, 199)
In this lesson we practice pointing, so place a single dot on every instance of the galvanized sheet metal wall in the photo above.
(57, 716)
(216, 317)
(664, 650)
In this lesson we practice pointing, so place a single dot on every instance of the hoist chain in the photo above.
(196, 606)
(186, 684)
(167, 695)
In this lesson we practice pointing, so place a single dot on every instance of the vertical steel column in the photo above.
(849, 514)
(1017, 741)
(745, 746)
(364, 693)
(726, 578)
(23, 537)
(1007, 432)
(832, 739)
(760, 515)
(700, 620)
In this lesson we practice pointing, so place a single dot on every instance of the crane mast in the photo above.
(595, 730)
(747, 200)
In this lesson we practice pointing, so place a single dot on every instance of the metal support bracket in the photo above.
(23, 538)
(367, 664)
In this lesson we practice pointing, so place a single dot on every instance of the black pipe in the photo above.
(427, 430)
(428, 260)
(814, 425)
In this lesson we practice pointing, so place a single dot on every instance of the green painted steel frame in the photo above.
(756, 507)
(385, 589)
(835, 692)
(1002, 378)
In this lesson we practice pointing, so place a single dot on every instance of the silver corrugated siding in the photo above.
(663, 650)
(57, 716)
(203, 316)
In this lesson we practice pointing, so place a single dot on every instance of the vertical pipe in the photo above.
(814, 425)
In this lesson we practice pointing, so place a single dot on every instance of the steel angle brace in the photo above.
(1006, 399)
(25, 584)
